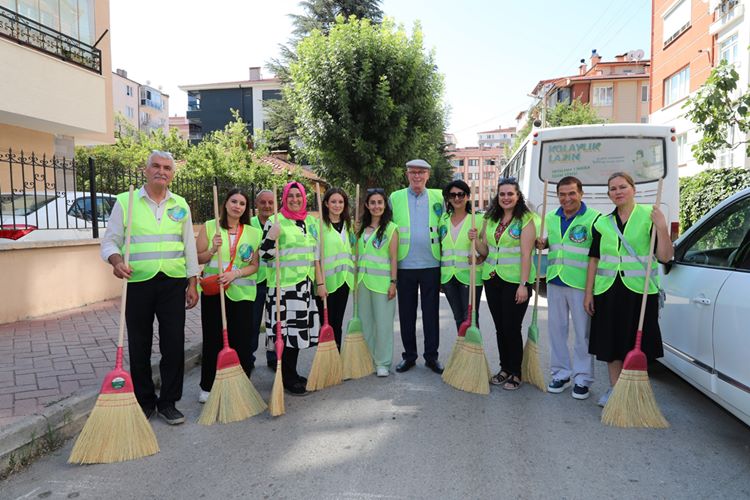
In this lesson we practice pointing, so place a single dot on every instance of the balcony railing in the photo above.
(152, 104)
(28, 32)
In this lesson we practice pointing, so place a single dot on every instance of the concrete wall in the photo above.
(43, 278)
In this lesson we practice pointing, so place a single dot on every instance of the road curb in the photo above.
(64, 418)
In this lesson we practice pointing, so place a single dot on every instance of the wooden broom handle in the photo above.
(473, 268)
(278, 259)
(356, 243)
(320, 243)
(538, 251)
(218, 257)
(651, 245)
(124, 294)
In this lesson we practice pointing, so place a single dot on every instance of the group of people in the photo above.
(403, 251)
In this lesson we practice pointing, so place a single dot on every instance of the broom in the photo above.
(470, 369)
(116, 430)
(326, 368)
(355, 355)
(632, 402)
(276, 403)
(531, 369)
(233, 397)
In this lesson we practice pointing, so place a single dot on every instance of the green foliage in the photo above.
(717, 108)
(574, 113)
(525, 130)
(367, 98)
(702, 192)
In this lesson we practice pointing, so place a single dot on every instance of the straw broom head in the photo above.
(531, 369)
(276, 405)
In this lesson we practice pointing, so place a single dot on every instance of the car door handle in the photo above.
(701, 299)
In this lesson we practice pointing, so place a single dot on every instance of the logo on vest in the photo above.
(377, 242)
(246, 252)
(314, 231)
(443, 232)
(514, 230)
(578, 234)
(176, 213)
(438, 209)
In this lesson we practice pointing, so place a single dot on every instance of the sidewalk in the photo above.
(63, 357)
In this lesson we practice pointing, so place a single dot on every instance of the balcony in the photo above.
(152, 104)
(30, 33)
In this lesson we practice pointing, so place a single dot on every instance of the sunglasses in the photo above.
(376, 190)
(453, 196)
(507, 180)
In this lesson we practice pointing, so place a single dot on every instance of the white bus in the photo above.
(592, 153)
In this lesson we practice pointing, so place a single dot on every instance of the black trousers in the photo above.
(163, 297)
(289, 375)
(458, 298)
(239, 315)
(413, 284)
(258, 312)
(507, 316)
(336, 309)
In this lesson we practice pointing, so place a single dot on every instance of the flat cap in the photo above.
(418, 164)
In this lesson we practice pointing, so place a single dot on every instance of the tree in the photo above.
(317, 15)
(703, 191)
(574, 113)
(716, 109)
(366, 99)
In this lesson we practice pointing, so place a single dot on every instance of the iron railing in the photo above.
(33, 34)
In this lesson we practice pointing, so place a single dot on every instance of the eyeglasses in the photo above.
(454, 195)
(507, 180)
(417, 172)
(376, 190)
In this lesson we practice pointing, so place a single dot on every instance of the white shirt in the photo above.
(114, 237)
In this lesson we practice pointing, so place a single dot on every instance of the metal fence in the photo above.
(37, 192)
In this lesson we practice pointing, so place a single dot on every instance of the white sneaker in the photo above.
(203, 396)
(604, 398)
(382, 371)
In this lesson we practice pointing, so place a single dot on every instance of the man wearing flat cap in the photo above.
(416, 211)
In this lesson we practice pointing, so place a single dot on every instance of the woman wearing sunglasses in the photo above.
(455, 247)
(507, 241)
(378, 266)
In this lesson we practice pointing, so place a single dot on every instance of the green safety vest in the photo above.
(454, 255)
(568, 255)
(265, 266)
(504, 256)
(400, 206)
(296, 252)
(241, 288)
(156, 246)
(374, 267)
(338, 266)
(615, 259)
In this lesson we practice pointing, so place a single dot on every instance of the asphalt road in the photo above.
(412, 436)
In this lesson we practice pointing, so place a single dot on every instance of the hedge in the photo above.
(702, 192)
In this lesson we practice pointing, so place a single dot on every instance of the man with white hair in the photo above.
(162, 277)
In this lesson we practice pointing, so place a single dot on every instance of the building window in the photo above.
(129, 112)
(128, 90)
(644, 93)
(489, 175)
(271, 95)
(473, 176)
(676, 21)
(682, 150)
(489, 161)
(603, 96)
(728, 49)
(474, 163)
(725, 157)
(677, 86)
(194, 101)
(460, 163)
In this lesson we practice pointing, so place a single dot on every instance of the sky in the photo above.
(491, 52)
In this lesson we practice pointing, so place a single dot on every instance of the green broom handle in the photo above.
(124, 294)
(648, 265)
(356, 250)
(538, 251)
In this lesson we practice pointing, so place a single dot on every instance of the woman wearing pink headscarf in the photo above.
(295, 238)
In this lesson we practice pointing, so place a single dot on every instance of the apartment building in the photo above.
(146, 108)
(210, 104)
(56, 92)
(498, 138)
(480, 166)
(617, 90)
(689, 38)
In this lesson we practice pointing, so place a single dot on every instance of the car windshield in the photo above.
(21, 205)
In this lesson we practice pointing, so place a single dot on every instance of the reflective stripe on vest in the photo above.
(400, 205)
(504, 256)
(265, 266)
(454, 255)
(374, 260)
(296, 252)
(243, 288)
(568, 256)
(614, 257)
(337, 263)
(156, 246)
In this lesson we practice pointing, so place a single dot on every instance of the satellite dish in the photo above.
(638, 54)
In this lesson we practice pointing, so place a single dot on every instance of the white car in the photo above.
(49, 216)
(705, 324)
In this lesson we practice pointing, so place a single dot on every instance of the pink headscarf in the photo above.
(300, 214)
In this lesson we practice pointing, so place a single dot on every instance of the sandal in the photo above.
(499, 378)
(512, 383)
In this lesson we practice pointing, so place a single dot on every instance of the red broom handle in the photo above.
(218, 256)
(279, 345)
(648, 271)
(322, 253)
(538, 251)
(124, 294)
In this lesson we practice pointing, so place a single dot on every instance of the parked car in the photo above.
(47, 216)
(706, 320)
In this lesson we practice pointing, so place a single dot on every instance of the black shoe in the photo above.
(171, 415)
(302, 380)
(405, 365)
(296, 389)
(435, 366)
(148, 411)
